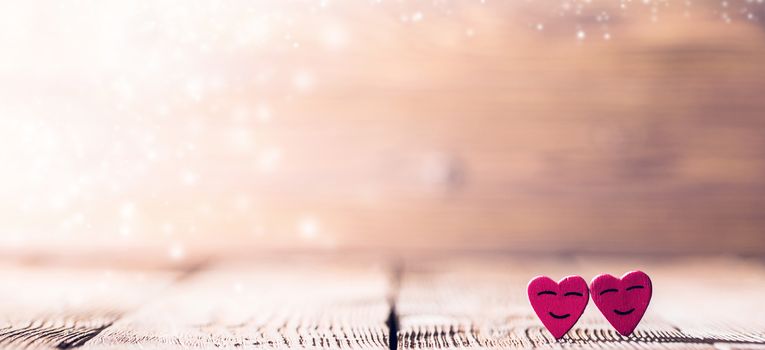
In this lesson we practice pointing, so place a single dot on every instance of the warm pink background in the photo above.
(546, 126)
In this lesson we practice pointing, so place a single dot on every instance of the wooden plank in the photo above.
(715, 299)
(481, 303)
(345, 304)
(46, 307)
(308, 303)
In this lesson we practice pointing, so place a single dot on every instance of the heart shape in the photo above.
(558, 304)
(623, 301)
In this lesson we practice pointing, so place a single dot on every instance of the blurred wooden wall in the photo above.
(520, 139)
(473, 129)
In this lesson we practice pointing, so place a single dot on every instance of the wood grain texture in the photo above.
(724, 294)
(305, 304)
(481, 304)
(58, 307)
(349, 303)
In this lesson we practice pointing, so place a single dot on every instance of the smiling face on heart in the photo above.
(623, 301)
(558, 304)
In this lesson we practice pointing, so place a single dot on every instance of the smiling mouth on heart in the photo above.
(559, 316)
(623, 313)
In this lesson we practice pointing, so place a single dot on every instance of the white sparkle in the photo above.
(125, 231)
(241, 138)
(303, 81)
(189, 178)
(308, 227)
(176, 252)
(127, 211)
(334, 36)
(168, 229)
(195, 88)
(268, 159)
(263, 113)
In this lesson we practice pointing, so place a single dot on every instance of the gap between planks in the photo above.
(419, 311)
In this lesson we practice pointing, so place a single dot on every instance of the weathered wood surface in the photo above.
(350, 303)
(482, 304)
(58, 307)
(294, 304)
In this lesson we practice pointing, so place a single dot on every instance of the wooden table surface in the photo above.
(356, 302)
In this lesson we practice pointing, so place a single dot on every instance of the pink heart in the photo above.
(623, 301)
(558, 305)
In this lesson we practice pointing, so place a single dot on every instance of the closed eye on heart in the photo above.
(573, 293)
(633, 287)
(547, 292)
(609, 290)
